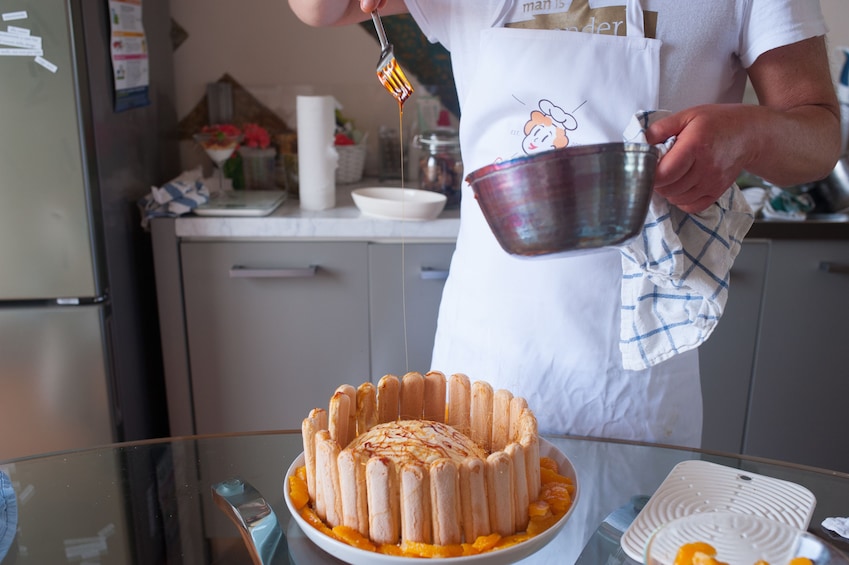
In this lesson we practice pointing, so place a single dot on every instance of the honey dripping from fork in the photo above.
(395, 81)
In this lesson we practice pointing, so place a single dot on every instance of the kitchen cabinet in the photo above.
(405, 288)
(800, 384)
(272, 329)
(727, 358)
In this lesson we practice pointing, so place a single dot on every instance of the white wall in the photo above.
(268, 50)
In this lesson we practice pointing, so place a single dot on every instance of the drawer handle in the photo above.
(240, 272)
(430, 274)
(839, 268)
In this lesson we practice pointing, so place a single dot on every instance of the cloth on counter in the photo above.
(839, 526)
(675, 273)
(177, 197)
(8, 514)
(782, 205)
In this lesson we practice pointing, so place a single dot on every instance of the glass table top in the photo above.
(151, 502)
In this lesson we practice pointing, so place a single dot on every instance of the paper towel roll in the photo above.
(317, 157)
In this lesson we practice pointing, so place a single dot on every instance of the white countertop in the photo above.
(345, 221)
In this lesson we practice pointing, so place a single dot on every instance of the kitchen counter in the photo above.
(345, 222)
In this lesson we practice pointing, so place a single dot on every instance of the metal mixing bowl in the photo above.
(570, 199)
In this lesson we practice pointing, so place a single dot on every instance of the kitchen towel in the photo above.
(317, 157)
(177, 197)
(8, 514)
(675, 273)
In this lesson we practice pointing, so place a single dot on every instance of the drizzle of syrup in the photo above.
(394, 80)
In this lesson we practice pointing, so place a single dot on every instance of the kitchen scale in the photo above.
(242, 203)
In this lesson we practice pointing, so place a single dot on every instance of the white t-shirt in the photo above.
(719, 38)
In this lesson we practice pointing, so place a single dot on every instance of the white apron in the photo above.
(548, 328)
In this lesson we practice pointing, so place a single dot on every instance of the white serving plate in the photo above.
(694, 487)
(739, 538)
(512, 554)
(390, 203)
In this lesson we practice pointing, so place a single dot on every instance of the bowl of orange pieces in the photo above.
(732, 538)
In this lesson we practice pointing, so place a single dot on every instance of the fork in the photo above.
(388, 71)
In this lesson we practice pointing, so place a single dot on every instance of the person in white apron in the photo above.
(548, 328)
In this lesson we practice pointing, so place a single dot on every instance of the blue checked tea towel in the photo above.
(675, 273)
(177, 197)
(8, 514)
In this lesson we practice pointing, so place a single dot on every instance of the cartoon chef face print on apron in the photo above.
(547, 128)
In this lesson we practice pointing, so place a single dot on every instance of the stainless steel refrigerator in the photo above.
(80, 362)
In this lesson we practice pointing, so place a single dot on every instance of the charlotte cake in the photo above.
(423, 459)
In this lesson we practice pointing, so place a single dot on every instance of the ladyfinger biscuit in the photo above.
(434, 396)
(516, 406)
(415, 503)
(412, 396)
(501, 418)
(340, 406)
(388, 394)
(319, 416)
(308, 431)
(473, 500)
(327, 453)
(366, 407)
(352, 490)
(499, 488)
(459, 403)
(351, 429)
(320, 478)
(532, 470)
(529, 439)
(520, 485)
(383, 505)
(445, 502)
(481, 414)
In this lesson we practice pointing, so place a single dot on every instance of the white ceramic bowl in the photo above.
(512, 554)
(739, 539)
(391, 203)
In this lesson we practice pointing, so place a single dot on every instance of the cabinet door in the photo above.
(798, 408)
(273, 328)
(727, 358)
(405, 281)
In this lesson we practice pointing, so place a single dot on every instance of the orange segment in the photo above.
(419, 549)
(390, 549)
(538, 509)
(309, 515)
(687, 552)
(353, 537)
(557, 496)
(548, 463)
(485, 543)
(539, 524)
(298, 491)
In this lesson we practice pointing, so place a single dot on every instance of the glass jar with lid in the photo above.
(440, 164)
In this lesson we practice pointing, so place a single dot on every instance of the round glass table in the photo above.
(152, 502)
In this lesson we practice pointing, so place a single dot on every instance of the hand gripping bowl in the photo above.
(570, 199)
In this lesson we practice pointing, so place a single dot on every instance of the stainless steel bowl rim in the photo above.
(563, 153)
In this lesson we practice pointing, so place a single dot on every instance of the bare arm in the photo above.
(792, 137)
(342, 12)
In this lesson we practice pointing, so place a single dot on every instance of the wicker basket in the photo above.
(352, 160)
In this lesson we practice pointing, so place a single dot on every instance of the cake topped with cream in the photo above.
(421, 441)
